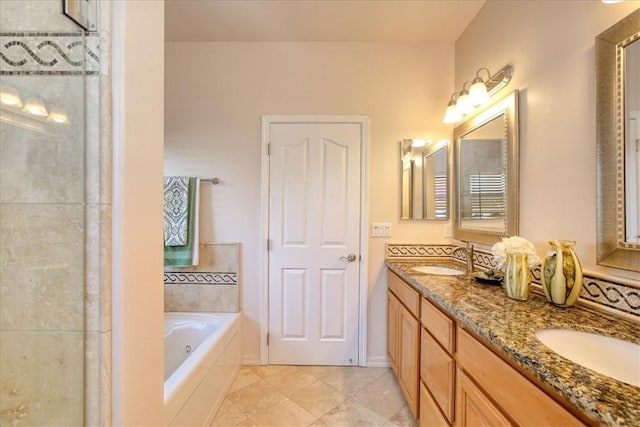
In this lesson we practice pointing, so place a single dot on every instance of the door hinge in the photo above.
(268, 149)
(269, 244)
(267, 339)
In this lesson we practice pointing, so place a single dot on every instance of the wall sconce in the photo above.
(479, 93)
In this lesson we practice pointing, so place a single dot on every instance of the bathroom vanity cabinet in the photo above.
(460, 381)
(403, 338)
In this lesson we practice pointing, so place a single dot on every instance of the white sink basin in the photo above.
(437, 269)
(612, 357)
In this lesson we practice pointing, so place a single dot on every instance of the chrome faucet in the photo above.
(468, 252)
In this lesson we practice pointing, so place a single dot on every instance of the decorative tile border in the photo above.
(29, 53)
(605, 294)
(200, 278)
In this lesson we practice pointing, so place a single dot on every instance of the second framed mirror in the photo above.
(486, 173)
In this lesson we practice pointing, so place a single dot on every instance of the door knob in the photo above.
(350, 257)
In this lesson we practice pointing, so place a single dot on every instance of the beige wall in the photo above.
(551, 48)
(215, 95)
(138, 323)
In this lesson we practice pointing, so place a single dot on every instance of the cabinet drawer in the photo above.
(508, 387)
(407, 295)
(437, 370)
(438, 324)
(430, 415)
(475, 409)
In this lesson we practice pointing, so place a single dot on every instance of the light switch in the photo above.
(381, 229)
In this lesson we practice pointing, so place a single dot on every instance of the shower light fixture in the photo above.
(479, 93)
(35, 107)
(10, 97)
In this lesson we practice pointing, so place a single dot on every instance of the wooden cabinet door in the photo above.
(437, 370)
(475, 409)
(430, 415)
(393, 314)
(409, 349)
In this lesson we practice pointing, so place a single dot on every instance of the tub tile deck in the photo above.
(331, 396)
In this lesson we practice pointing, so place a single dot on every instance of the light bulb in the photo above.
(9, 97)
(464, 104)
(36, 107)
(418, 143)
(478, 92)
(451, 115)
(58, 115)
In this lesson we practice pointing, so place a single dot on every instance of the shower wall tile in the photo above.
(106, 136)
(93, 140)
(98, 268)
(97, 378)
(42, 161)
(41, 267)
(27, 15)
(41, 382)
(218, 257)
(201, 298)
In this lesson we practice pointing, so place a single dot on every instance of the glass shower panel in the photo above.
(42, 223)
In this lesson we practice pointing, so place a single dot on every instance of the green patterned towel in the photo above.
(182, 256)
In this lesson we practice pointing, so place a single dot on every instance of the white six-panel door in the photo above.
(314, 232)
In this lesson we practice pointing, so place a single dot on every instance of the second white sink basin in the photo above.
(609, 356)
(438, 269)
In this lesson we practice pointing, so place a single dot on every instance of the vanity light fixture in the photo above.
(464, 104)
(479, 93)
(611, 1)
(35, 107)
(9, 97)
(418, 143)
(451, 114)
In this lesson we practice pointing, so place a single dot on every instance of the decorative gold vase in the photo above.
(561, 273)
(517, 276)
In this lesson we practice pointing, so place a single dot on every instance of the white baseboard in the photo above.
(378, 362)
(250, 359)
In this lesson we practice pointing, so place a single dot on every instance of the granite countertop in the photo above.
(509, 327)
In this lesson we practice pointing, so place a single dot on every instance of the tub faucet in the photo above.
(468, 252)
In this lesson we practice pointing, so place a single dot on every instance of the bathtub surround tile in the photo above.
(41, 267)
(200, 278)
(41, 382)
(290, 380)
(218, 257)
(259, 397)
(21, 15)
(284, 413)
(198, 298)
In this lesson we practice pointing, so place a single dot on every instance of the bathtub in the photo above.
(202, 358)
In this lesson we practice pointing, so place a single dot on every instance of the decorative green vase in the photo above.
(561, 273)
(517, 276)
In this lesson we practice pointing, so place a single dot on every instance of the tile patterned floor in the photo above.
(329, 396)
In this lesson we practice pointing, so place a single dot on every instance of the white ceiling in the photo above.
(406, 21)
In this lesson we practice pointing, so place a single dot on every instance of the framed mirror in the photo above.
(618, 144)
(485, 154)
(425, 179)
